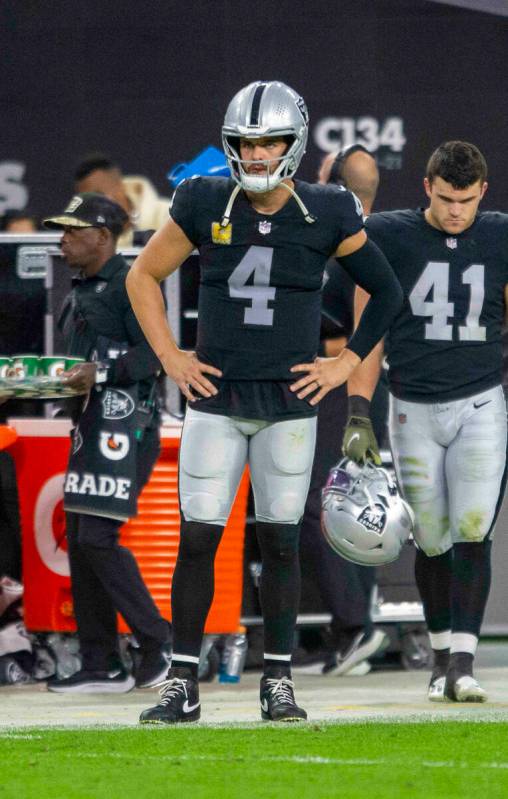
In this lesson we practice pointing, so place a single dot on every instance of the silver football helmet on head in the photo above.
(265, 108)
(363, 516)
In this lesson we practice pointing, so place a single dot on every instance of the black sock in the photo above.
(193, 587)
(441, 662)
(185, 668)
(461, 663)
(434, 581)
(280, 586)
(470, 585)
(276, 668)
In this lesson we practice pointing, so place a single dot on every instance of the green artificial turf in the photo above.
(368, 760)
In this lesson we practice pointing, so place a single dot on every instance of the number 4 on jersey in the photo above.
(257, 261)
(435, 280)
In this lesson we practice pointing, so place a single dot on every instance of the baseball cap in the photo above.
(90, 209)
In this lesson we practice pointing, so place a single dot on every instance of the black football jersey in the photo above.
(261, 276)
(446, 342)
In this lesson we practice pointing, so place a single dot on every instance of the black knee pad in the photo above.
(470, 557)
(198, 539)
(278, 541)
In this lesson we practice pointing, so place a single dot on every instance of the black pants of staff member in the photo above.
(10, 527)
(106, 578)
(345, 588)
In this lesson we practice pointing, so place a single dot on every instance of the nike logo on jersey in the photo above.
(481, 404)
(353, 438)
(264, 706)
(189, 708)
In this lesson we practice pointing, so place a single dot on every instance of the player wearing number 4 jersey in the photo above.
(254, 381)
(447, 416)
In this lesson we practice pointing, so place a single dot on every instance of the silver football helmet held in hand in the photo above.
(265, 108)
(363, 516)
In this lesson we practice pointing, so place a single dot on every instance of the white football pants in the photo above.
(214, 451)
(450, 460)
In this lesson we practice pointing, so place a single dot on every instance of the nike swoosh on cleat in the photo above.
(189, 708)
(481, 404)
(353, 438)
(264, 706)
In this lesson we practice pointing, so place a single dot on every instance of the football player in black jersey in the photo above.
(254, 381)
(447, 411)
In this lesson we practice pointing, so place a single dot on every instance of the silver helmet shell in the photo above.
(363, 516)
(265, 108)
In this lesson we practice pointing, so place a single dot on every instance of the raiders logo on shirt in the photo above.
(116, 404)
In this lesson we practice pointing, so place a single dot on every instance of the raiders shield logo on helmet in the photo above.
(373, 518)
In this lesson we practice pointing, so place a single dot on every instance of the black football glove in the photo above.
(359, 442)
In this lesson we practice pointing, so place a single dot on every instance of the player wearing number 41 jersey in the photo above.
(254, 381)
(447, 415)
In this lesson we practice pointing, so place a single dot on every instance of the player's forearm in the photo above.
(148, 305)
(363, 381)
(333, 346)
(369, 269)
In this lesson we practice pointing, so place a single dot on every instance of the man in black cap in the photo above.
(114, 446)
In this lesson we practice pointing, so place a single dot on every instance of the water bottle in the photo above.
(256, 570)
(65, 650)
(233, 657)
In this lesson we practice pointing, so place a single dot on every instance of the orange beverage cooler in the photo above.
(40, 453)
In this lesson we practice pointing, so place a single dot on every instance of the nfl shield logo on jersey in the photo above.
(264, 227)
(451, 242)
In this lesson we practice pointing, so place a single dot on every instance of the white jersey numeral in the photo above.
(256, 261)
(435, 280)
(472, 330)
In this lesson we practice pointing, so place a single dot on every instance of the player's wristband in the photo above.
(358, 406)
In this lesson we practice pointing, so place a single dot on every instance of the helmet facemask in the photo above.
(265, 109)
(286, 167)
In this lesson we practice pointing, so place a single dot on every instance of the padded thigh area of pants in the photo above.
(280, 461)
(291, 446)
(204, 452)
(213, 453)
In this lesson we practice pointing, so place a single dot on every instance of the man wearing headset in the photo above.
(345, 588)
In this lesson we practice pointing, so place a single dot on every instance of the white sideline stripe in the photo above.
(426, 719)
(301, 759)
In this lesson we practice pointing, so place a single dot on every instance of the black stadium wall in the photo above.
(148, 83)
